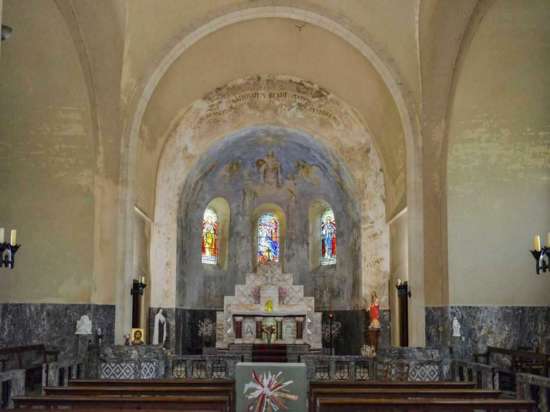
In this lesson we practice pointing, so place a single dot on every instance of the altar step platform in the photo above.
(275, 352)
(269, 353)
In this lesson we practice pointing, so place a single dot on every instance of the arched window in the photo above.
(328, 238)
(268, 239)
(210, 237)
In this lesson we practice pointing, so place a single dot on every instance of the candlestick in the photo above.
(13, 237)
(2, 235)
(536, 243)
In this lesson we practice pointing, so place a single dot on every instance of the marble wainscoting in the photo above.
(482, 326)
(52, 324)
(188, 322)
(170, 315)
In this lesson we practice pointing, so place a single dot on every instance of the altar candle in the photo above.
(13, 237)
(536, 243)
(2, 235)
(143, 280)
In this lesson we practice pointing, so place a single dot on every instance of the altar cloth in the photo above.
(270, 387)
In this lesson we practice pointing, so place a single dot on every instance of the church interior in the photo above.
(274, 205)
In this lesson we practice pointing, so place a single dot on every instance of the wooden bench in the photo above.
(30, 358)
(521, 360)
(152, 382)
(393, 384)
(144, 390)
(103, 403)
(398, 393)
(420, 404)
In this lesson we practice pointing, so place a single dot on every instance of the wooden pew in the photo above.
(521, 360)
(152, 382)
(393, 384)
(152, 387)
(347, 387)
(398, 393)
(154, 390)
(422, 404)
(112, 403)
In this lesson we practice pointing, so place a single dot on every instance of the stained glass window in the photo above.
(328, 238)
(210, 235)
(268, 239)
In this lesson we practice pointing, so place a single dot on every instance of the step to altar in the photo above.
(292, 352)
(269, 353)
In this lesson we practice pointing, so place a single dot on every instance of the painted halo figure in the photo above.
(137, 337)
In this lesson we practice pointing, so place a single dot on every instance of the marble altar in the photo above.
(268, 304)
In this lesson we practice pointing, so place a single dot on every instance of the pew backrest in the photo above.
(330, 404)
(187, 403)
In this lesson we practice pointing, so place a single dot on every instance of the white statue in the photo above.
(456, 328)
(159, 331)
(83, 326)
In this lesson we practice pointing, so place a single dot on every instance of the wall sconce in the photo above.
(8, 249)
(402, 288)
(138, 286)
(5, 32)
(541, 254)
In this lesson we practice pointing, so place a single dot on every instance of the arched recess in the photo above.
(279, 215)
(389, 79)
(222, 212)
(230, 169)
(194, 132)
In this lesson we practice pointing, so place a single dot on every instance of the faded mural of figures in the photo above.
(270, 170)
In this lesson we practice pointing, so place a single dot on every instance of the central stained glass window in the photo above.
(268, 239)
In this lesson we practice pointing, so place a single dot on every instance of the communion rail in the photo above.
(484, 376)
(12, 383)
(359, 368)
(203, 366)
(534, 387)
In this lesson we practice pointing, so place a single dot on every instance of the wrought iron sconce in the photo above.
(5, 32)
(8, 249)
(138, 286)
(541, 254)
(403, 288)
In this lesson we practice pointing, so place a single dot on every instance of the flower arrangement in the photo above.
(206, 330)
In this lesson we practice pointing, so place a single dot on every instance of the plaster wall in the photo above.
(499, 159)
(390, 26)
(47, 159)
(274, 46)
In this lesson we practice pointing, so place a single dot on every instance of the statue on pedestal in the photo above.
(374, 312)
(374, 326)
(83, 326)
(159, 328)
(456, 328)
